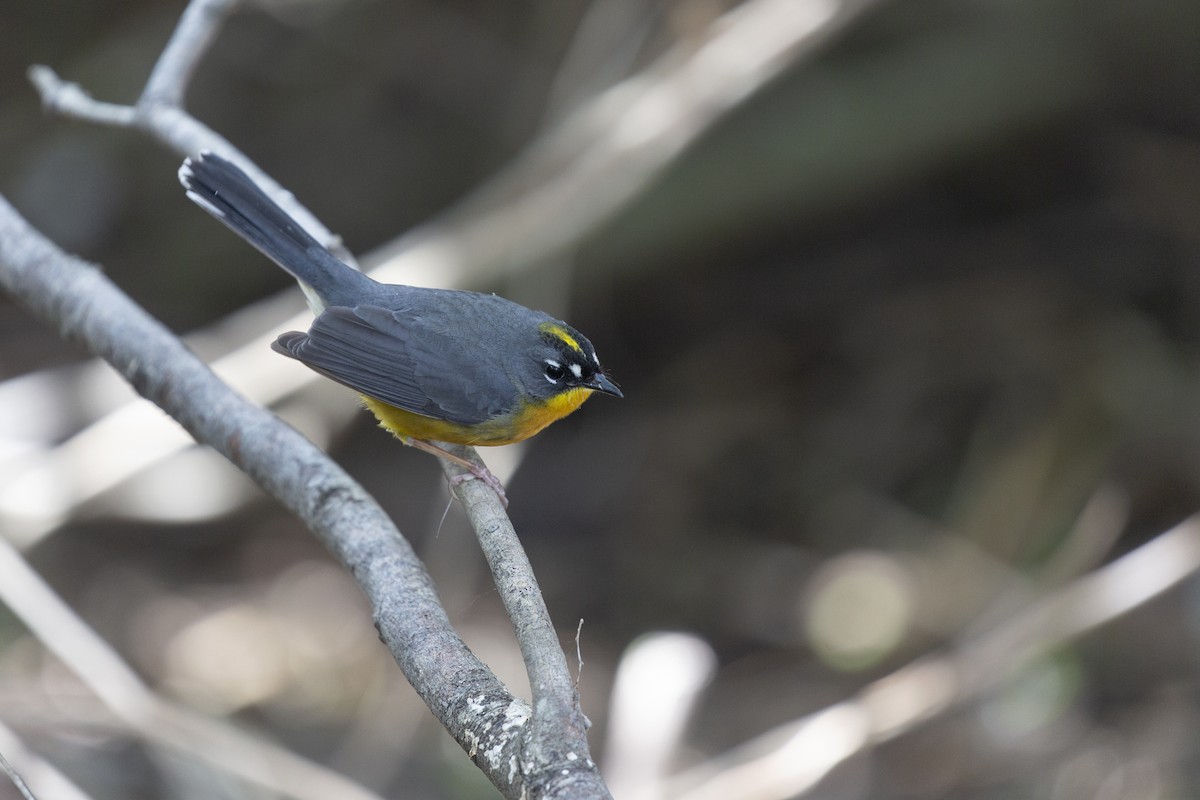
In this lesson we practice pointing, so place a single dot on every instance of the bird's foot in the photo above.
(475, 470)
(485, 475)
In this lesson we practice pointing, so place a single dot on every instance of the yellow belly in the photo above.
(499, 430)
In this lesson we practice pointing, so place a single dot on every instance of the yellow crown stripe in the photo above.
(559, 332)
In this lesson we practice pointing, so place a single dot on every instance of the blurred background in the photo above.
(910, 343)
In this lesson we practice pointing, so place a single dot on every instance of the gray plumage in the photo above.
(459, 356)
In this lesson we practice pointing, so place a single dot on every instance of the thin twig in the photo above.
(578, 653)
(70, 100)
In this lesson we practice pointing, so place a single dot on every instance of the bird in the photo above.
(433, 365)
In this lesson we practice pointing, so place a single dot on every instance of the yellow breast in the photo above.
(506, 429)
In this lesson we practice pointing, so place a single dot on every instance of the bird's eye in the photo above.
(554, 371)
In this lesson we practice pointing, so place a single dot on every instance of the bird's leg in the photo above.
(477, 471)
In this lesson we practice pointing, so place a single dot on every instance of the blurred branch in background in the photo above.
(792, 759)
(586, 167)
(9, 743)
(658, 684)
(156, 720)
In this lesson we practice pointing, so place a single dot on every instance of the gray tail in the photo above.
(224, 191)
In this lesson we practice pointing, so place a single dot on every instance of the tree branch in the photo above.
(195, 33)
(159, 110)
(559, 729)
(481, 714)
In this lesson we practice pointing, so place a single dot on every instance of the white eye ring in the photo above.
(554, 371)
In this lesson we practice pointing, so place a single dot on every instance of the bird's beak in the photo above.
(601, 383)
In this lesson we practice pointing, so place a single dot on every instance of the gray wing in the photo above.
(405, 360)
